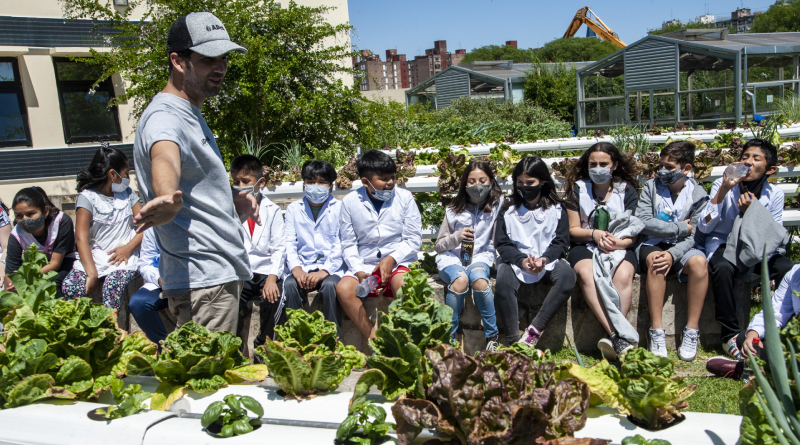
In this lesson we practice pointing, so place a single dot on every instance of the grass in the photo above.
(712, 392)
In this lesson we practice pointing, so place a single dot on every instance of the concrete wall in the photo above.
(388, 95)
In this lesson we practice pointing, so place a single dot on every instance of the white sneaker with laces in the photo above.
(688, 350)
(731, 350)
(658, 342)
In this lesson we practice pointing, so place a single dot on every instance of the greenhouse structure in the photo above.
(695, 76)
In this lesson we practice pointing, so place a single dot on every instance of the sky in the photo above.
(411, 26)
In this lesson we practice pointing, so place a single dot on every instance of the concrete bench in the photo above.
(574, 323)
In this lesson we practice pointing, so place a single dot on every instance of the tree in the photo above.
(505, 52)
(690, 25)
(553, 88)
(285, 88)
(576, 49)
(783, 16)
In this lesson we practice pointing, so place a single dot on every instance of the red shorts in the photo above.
(383, 286)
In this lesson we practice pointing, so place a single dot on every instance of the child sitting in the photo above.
(668, 246)
(106, 237)
(532, 237)
(313, 249)
(38, 222)
(729, 198)
(470, 217)
(5, 232)
(147, 301)
(381, 232)
(265, 247)
(786, 305)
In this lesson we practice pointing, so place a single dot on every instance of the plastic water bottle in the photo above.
(735, 171)
(665, 215)
(368, 285)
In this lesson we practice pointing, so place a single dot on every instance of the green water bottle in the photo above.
(601, 218)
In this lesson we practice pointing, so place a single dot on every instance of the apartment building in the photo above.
(433, 62)
(375, 74)
(741, 19)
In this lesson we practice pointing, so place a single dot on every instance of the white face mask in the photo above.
(600, 175)
(316, 194)
(122, 186)
(249, 189)
(382, 195)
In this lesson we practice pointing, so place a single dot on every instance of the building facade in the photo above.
(376, 75)
(434, 61)
(741, 20)
(52, 119)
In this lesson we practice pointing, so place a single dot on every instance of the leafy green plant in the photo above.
(562, 168)
(766, 130)
(231, 415)
(405, 165)
(32, 287)
(250, 144)
(496, 397)
(358, 428)
(769, 402)
(347, 175)
(631, 139)
(789, 156)
(129, 401)
(307, 357)
(428, 263)
(291, 160)
(639, 440)
(504, 160)
(431, 208)
(646, 388)
(528, 351)
(414, 323)
(194, 357)
(335, 155)
(451, 167)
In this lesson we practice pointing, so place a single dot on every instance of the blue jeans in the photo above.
(144, 307)
(484, 299)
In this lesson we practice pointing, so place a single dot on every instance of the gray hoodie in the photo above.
(654, 227)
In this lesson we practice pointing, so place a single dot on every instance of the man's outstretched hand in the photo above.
(246, 206)
(160, 210)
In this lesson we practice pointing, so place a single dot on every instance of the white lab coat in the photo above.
(149, 256)
(368, 236)
(266, 248)
(784, 302)
(311, 244)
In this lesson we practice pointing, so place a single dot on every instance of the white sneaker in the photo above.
(658, 342)
(688, 350)
(731, 350)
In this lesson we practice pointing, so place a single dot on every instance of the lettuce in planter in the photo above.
(306, 357)
(500, 398)
(646, 388)
(198, 358)
(414, 323)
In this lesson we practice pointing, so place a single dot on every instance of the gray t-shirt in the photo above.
(204, 245)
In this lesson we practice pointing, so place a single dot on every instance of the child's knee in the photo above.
(697, 266)
(346, 289)
(459, 285)
(584, 273)
(397, 282)
(624, 273)
(480, 284)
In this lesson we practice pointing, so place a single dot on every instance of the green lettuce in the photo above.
(306, 357)
(414, 323)
(195, 357)
(496, 397)
(32, 287)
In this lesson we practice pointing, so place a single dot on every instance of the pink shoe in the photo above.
(530, 336)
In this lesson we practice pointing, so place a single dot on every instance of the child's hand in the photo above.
(385, 267)
(300, 276)
(270, 292)
(689, 226)
(728, 183)
(467, 234)
(92, 283)
(748, 347)
(527, 264)
(662, 263)
(745, 200)
(361, 276)
(605, 242)
(119, 255)
(313, 278)
(538, 264)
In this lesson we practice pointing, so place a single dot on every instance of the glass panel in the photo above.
(78, 71)
(664, 103)
(767, 98)
(7, 72)
(769, 68)
(644, 106)
(88, 114)
(709, 105)
(599, 86)
(11, 126)
(605, 112)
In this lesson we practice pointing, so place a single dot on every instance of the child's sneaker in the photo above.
(530, 336)
(688, 350)
(614, 348)
(658, 342)
(731, 350)
(492, 343)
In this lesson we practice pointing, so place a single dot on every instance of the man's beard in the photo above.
(197, 87)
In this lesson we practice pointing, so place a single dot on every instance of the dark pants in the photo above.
(144, 307)
(327, 290)
(760, 352)
(723, 272)
(562, 277)
(270, 314)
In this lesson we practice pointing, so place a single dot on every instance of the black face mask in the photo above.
(752, 186)
(529, 192)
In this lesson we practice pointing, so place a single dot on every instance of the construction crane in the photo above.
(582, 17)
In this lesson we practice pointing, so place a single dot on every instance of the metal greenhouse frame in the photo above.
(693, 76)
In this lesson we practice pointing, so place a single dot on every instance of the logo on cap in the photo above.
(214, 27)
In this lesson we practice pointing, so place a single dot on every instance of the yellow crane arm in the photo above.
(601, 29)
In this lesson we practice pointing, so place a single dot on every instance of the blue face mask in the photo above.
(316, 194)
(382, 195)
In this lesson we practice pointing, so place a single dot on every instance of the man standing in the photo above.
(189, 199)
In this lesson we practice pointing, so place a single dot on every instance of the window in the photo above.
(437, 66)
(85, 113)
(14, 130)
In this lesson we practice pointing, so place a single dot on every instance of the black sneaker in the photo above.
(492, 343)
(614, 348)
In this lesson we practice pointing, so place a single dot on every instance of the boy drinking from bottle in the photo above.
(730, 198)
(670, 206)
(381, 233)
